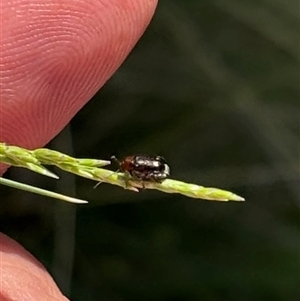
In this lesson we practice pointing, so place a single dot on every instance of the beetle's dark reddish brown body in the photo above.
(145, 168)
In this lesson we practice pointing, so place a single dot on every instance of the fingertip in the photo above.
(22, 276)
(56, 55)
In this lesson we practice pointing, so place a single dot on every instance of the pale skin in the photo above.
(54, 56)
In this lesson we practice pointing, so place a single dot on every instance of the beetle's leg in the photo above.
(126, 179)
(137, 177)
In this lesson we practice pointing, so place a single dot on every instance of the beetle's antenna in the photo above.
(97, 185)
(113, 158)
(106, 178)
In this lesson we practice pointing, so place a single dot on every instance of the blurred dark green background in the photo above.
(213, 86)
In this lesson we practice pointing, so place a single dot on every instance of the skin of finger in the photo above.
(55, 55)
(22, 276)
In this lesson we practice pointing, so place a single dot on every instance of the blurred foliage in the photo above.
(213, 86)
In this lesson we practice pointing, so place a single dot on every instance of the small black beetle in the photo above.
(145, 167)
